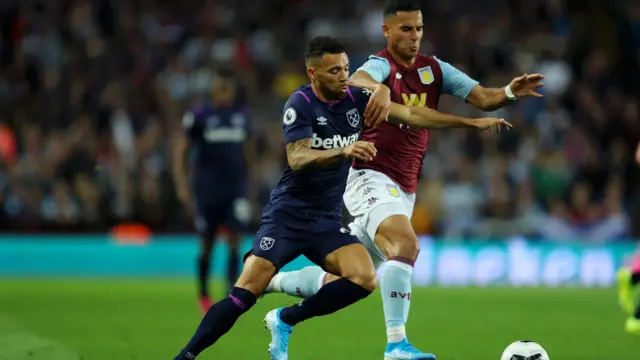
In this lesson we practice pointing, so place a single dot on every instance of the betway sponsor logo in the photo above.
(337, 141)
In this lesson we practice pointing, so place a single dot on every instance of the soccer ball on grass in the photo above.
(524, 350)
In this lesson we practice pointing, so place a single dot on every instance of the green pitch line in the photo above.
(152, 319)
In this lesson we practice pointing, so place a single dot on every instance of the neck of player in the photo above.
(320, 95)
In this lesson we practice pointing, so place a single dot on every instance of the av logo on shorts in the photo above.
(393, 190)
(372, 201)
(266, 243)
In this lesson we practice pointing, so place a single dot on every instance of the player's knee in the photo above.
(243, 298)
(365, 278)
(256, 275)
(408, 246)
(396, 238)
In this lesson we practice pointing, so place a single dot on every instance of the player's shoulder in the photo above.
(297, 104)
(300, 96)
(357, 92)
(379, 59)
(422, 58)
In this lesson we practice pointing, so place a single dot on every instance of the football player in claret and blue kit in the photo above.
(399, 74)
(321, 124)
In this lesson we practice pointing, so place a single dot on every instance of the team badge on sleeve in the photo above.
(289, 116)
(426, 75)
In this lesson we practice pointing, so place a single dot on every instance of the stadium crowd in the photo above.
(93, 91)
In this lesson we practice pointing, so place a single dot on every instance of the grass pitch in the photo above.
(153, 319)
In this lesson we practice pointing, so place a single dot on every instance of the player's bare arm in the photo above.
(489, 99)
(432, 119)
(379, 105)
(301, 156)
(182, 144)
(638, 154)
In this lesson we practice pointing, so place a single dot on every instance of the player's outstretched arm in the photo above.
(489, 99)
(424, 117)
(379, 104)
(301, 156)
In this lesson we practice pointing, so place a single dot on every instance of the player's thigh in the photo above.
(367, 191)
(256, 274)
(395, 237)
(275, 243)
(342, 254)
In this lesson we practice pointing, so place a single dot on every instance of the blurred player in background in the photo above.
(217, 134)
(321, 125)
(380, 194)
(628, 280)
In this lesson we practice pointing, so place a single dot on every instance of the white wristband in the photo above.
(509, 93)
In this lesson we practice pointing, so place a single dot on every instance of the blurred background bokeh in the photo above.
(92, 93)
(98, 255)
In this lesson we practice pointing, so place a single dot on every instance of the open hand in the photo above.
(492, 123)
(526, 85)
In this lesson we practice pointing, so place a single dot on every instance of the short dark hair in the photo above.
(321, 45)
(395, 6)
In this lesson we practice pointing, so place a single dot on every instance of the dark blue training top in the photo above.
(217, 150)
(316, 193)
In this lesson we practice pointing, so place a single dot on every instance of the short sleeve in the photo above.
(377, 67)
(454, 81)
(296, 120)
(360, 97)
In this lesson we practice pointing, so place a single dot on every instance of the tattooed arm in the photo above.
(301, 156)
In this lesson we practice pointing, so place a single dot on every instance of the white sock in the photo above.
(395, 287)
(301, 283)
(396, 333)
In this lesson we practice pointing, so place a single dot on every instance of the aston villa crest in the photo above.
(426, 75)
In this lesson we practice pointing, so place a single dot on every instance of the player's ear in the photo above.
(311, 73)
(385, 30)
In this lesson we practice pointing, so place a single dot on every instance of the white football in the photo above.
(524, 350)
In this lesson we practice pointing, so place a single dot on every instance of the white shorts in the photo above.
(371, 197)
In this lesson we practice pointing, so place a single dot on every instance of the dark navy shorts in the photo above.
(280, 244)
(231, 212)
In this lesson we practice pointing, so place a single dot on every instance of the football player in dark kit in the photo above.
(303, 217)
(217, 134)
